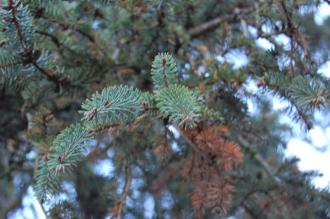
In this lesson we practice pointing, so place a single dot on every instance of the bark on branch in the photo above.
(214, 23)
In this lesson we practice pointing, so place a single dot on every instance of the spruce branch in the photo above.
(25, 33)
(11, 82)
(46, 182)
(117, 210)
(65, 26)
(67, 149)
(303, 95)
(164, 71)
(114, 105)
(179, 104)
(111, 107)
(215, 22)
(12, 8)
(295, 35)
(71, 27)
(5, 65)
(64, 155)
(57, 42)
(308, 94)
(268, 169)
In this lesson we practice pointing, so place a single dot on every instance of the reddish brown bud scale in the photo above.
(92, 113)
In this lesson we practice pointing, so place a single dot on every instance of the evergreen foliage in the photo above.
(114, 105)
(67, 147)
(164, 71)
(83, 83)
(308, 94)
(46, 183)
(180, 104)
(111, 107)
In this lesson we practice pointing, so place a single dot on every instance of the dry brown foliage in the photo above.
(213, 156)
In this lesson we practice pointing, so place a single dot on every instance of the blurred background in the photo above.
(312, 147)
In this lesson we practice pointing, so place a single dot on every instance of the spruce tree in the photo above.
(148, 86)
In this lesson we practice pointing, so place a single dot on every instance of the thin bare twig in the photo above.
(260, 159)
(120, 204)
(211, 24)
(57, 42)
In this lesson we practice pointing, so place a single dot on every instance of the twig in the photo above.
(127, 187)
(57, 42)
(211, 24)
(68, 26)
(294, 33)
(260, 159)
(94, 154)
(268, 169)
(27, 51)
(52, 37)
(250, 212)
(12, 8)
(50, 76)
(65, 26)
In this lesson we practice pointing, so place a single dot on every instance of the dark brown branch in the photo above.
(117, 210)
(278, 183)
(50, 76)
(52, 37)
(288, 14)
(27, 53)
(243, 143)
(293, 32)
(249, 211)
(12, 8)
(57, 42)
(127, 187)
(68, 26)
(214, 23)
(97, 152)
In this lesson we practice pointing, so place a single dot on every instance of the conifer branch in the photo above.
(259, 159)
(294, 32)
(27, 51)
(78, 44)
(117, 210)
(305, 94)
(164, 71)
(12, 8)
(57, 42)
(67, 149)
(180, 105)
(68, 26)
(97, 152)
(117, 104)
(50, 76)
(52, 37)
(112, 107)
(214, 23)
